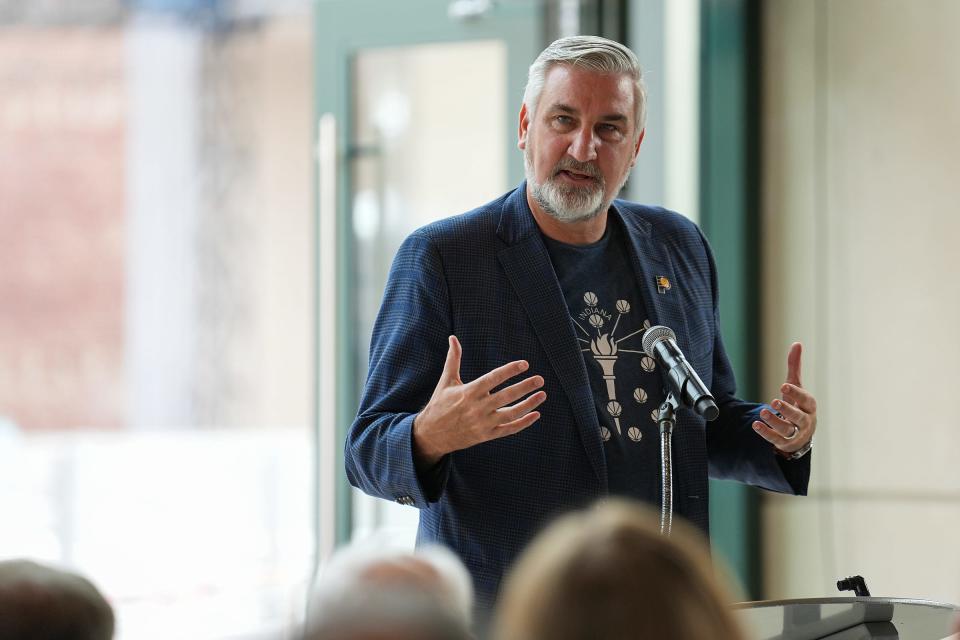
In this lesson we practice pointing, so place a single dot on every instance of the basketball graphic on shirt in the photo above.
(647, 364)
(635, 434)
(604, 434)
(614, 408)
(639, 395)
(655, 414)
(590, 299)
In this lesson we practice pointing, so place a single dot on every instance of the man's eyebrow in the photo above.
(614, 117)
(559, 106)
(610, 117)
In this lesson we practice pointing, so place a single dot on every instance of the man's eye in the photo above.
(564, 120)
(609, 128)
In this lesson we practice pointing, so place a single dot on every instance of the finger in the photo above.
(783, 428)
(498, 376)
(515, 391)
(799, 397)
(793, 364)
(516, 426)
(511, 413)
(790, 413)
(772, 436)
(451, 367)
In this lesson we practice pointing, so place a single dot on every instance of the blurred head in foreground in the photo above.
(42, 603)
(608, 574)
(368, 592)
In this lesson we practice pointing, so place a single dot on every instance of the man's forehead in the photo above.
(563, 82)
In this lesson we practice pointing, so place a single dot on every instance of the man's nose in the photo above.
(583, 147)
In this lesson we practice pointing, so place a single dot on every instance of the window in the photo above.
(157, 324)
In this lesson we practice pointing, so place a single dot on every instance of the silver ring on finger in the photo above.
(796, 431)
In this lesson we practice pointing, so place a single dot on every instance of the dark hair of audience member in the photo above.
(43, 603)
(608, 574)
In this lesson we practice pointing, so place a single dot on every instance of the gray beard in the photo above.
(567, 203)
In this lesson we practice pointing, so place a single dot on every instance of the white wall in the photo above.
(861, 191)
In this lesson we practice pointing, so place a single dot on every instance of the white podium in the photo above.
(847, 619)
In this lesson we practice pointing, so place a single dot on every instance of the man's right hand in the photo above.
(461, 415)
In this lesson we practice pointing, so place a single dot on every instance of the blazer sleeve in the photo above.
(735, 450)
(407, 351)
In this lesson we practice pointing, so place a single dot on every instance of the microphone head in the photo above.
(654, 335)
(707, 408)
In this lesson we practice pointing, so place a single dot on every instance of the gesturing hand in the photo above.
(794, 427)
(461, 415)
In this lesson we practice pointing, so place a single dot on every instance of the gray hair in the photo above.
(378, 612)
(594, 54)
(346, 577)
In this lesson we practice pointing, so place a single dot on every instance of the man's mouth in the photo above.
(576, 176)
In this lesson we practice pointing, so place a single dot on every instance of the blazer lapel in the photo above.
(528, 268)
(655, 275)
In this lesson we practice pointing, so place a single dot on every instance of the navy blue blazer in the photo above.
(485, 276)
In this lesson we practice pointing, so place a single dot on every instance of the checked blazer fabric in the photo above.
(485, 276)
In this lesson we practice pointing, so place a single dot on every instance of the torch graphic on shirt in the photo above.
(605, 347)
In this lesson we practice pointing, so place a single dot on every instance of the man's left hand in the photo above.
(796, 423)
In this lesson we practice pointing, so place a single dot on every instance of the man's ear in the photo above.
(523, 127)
(636, 149)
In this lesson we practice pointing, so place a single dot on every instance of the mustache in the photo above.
(586, 168)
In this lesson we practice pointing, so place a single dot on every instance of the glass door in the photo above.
(417, 118)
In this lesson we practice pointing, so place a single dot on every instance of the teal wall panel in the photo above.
(729, 217)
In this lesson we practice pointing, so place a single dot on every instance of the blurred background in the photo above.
(200, 199)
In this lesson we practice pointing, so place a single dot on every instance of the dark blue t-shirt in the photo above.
(600, 289)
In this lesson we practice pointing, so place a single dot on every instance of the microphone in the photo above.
(660, 343)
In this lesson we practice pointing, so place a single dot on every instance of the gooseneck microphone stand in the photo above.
(667, 418)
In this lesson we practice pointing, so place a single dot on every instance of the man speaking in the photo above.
(507, 382)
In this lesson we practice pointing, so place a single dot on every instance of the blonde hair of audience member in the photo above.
(42, 603)
(372, 585)
(608, 574)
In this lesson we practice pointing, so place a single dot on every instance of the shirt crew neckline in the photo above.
(602, 242)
